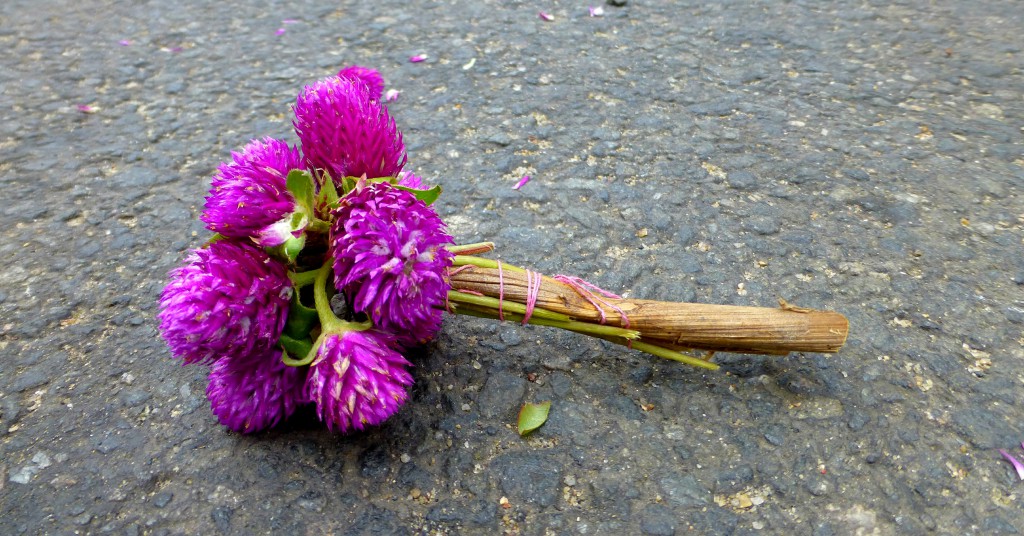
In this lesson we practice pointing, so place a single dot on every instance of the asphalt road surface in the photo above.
(860, 156)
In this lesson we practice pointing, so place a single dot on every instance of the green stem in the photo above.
(301, 279)
(507, 306)
(463, 260)
(328, 320)
(309, 357)
(671, 354)
(471, 249)
(586, 328)
(624, 337)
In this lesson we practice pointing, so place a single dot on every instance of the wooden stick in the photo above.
(725, 328)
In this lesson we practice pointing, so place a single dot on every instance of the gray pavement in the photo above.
(863, 156)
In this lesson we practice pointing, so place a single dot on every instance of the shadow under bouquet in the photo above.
(328, 263)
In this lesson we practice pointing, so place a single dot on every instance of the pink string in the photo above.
(586, 290)
(533, 282)
(460, 269)
(501, 293)
(468, 291)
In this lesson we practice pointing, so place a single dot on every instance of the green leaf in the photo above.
(427, 196)
(300, 185)
(217, 237)
(348, 184)
(292, 247)
(532, 416)
(301, 319)
(328, 193)
(294, 347)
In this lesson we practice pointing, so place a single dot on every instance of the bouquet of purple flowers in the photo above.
(328, 262)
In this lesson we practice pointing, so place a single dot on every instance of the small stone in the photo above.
(162, 499)
(570, 480)
(406, 458)
(617, 3)
(415, 493)
(222, 518)
(658, 520)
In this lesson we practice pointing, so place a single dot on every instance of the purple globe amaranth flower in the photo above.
(357, 379)
(390, 259)
(229, 299)
(346, 132)
(252, 393)
(249, 197)
(367, 76)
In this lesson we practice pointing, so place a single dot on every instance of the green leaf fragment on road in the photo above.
(532, 416)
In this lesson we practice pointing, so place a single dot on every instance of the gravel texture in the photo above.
(862, 156)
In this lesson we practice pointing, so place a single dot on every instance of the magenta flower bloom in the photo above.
(347, 132)
(357, 379)
(390, 259)
(248, 197)
(252, 393)
(369, 77)
(229, 299)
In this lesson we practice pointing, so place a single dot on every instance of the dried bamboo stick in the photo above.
(727, 328)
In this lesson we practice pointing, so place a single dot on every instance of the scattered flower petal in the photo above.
(280, 31)
(392, 95)
(125, 43)
(289, 21)
(546, 16)
(1019, 467)
(87, 109)
(522, 182)
(596, 11)
(418, 58)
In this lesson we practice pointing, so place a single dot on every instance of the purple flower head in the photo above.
(252, 393)
(248, 198)
(369, 77)
(357, 379)
(229, 299)
(389, 257)
(347, 132)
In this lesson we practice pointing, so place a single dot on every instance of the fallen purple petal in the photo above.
(418, 58)
(86, 109)
(280, 31)
(546, 16)
(1014, 462)
(596, 11)
(391, 95)
(125, 43)
(522, 182)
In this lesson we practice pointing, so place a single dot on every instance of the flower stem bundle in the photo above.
(665, 326)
